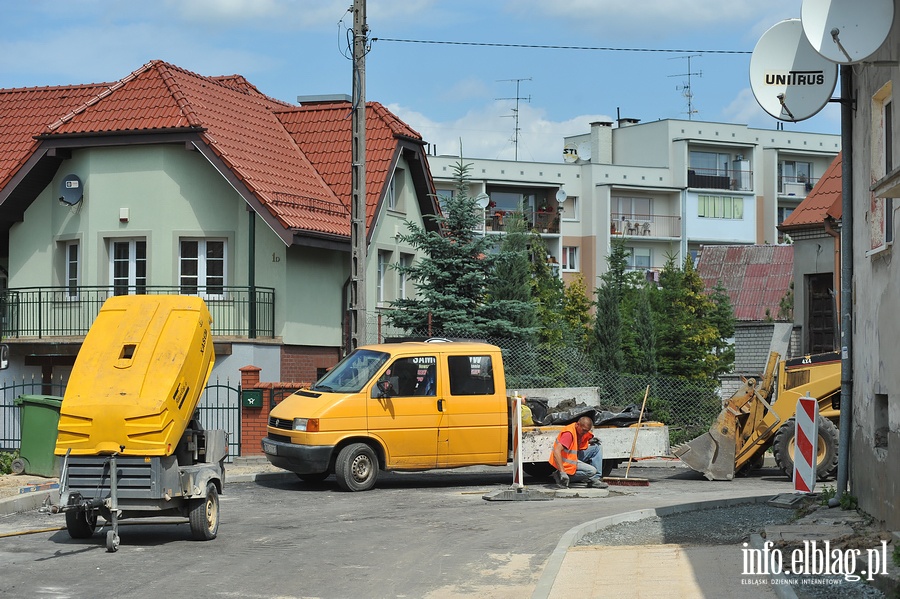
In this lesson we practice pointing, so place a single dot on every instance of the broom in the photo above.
(631, 482)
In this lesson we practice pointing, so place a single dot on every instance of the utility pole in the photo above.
(358, 183)
(516, 109)
(685, 89)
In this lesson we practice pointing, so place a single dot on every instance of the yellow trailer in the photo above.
(128, 428)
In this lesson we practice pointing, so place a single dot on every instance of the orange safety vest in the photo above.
(569, 454)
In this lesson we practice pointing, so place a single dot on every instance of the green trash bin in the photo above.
(39, 419)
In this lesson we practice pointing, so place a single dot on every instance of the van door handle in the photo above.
(440, 405)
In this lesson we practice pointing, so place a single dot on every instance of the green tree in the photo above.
(642, 359)
(722, 318)
(510, 310)
(685, 336)
(451, 275)
(606, 344)
(576, 312)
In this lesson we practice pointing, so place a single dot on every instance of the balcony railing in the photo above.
(798, 186)
(712, 178)
(541, 221)
(645, 225)
(69, 311)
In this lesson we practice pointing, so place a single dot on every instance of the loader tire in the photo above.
(826, 449)
(356, 468)
(81, 524)
(204, 515)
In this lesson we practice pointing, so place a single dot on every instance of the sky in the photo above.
(469, 94)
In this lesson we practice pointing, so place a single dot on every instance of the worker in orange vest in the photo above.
(577, 455)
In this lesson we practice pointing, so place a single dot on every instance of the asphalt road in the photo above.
(428, 535)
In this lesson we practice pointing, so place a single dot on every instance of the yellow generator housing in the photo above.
(138, 377)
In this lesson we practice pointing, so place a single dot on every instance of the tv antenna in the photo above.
(685, 89)
(515, 113)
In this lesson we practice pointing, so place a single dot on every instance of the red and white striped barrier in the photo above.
(806, 437)
(517, 442)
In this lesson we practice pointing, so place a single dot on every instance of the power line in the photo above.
(554, 47)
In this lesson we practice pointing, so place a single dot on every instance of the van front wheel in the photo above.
(356, 468)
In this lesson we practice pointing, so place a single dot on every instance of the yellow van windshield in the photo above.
(352, 373)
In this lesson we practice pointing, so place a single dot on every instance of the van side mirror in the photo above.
(4, 356)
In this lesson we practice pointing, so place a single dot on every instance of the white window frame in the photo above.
(643, 252)
(570, 258)
(392, 192)
(719, 206)
(72, 270)
(202, 286)
(570, 209)
(406, 260)
(384, 258)
(135, 284)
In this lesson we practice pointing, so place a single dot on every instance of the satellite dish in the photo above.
(561, 195)
(790, 80)
(846, 31)
(482, 199)
(570, 153)
(70, 190)
(584, 151)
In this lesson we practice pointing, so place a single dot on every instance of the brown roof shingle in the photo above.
(822, 202)
(756, 277)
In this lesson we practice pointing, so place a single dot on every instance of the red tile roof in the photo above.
(244, 128)
(25, 112)
(322, 132)
(823, 201)
(756, 277)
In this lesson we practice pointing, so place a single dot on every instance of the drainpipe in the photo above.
(846, 277)
(836, 269)
(251, 272)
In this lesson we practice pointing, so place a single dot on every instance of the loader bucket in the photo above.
(711, 454)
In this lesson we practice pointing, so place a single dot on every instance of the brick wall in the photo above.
(254, 420)
(300, 362)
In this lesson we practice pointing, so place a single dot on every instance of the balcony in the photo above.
(645, 225)
(541, 221)
(712, 178)
(798, 186)
(41, 312)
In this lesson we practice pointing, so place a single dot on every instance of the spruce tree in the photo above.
(451, 275)
(510, 310)
(722, 317)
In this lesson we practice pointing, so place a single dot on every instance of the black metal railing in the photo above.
(712, 178)
(69, 311)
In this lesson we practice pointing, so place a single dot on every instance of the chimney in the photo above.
(625, 122)
(601, 142)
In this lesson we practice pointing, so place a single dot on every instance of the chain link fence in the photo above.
(687, 406)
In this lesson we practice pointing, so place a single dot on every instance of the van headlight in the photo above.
(308, 425)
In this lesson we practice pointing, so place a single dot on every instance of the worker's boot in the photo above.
(597, 484)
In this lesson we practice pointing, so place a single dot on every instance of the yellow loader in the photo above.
(754, 419)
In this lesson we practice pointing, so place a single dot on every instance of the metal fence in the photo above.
(70, 311)
(219, 408)
(687, 406)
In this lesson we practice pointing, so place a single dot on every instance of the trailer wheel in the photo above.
(81, 524)
(356, 468)
(826, 449)
(204, 515)
(112, 541)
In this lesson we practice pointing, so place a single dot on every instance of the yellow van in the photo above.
(395, 406)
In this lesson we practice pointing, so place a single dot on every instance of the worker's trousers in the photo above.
(590, 464)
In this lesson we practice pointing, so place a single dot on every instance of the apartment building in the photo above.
(665, 187)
